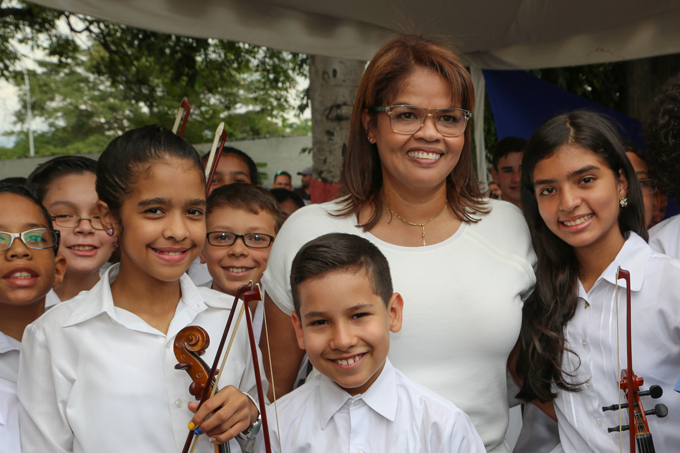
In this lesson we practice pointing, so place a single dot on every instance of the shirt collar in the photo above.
(633, 257)
(99, 299)
(381, 396)
(8, 344)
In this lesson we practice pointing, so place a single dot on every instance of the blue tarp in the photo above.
(522, 102)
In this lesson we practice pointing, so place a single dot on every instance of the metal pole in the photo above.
(29, 114)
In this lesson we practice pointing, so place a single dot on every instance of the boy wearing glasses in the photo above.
(242, 222)
(29, 268)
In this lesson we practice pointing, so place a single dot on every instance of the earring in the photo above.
(370, 140)
(109, 231)
(623, 202)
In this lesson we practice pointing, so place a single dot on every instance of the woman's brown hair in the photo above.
(361, 171)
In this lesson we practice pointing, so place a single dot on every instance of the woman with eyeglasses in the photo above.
(65, 186)
(462, 262)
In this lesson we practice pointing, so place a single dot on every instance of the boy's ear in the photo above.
(59, 270)
(395, 308)
(298, 330)
(494, 175)
(107, 217)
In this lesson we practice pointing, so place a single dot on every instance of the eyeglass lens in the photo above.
(252, 240)
(408, 119)
(41, 238)
(72, 221)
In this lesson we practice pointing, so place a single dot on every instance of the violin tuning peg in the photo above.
(196, 389)
(660, 410)
(616, 429)
(183, 366)
(614, 407)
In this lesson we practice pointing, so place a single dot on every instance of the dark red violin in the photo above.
(191, 343)
(630, 384)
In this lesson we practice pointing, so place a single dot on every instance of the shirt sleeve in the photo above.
(457, 436)
(43, 422)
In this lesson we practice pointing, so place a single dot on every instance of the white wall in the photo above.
(279, 153)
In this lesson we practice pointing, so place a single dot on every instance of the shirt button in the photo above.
(584, 343)
(356, 403)
(179, 403)
(588, 385)
(599, 422)
(167, 346)
(359, 451)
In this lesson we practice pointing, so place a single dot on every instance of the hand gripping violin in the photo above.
(192, 342)
(630, 383)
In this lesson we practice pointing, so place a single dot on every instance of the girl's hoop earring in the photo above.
(109, 231)
(623, 202)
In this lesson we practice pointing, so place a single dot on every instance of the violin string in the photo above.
(271, 373)
(618, 358)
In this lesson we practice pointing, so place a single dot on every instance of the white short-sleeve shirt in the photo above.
(462, 304)
(393, 415)
(591, 334)
(9, 404)
(94, 377)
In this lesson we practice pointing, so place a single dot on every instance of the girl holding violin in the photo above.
(463, 262)
(98, 373)
(585, 209)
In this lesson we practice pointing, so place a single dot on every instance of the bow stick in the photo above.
(630, 383)
(184, 110)
(214, 157)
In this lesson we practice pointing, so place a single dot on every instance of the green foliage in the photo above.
(125, 78)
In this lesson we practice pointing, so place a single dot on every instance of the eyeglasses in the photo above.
(648, 185)
(72, 221)
(252, 240)
(40, 238)
(409, 119)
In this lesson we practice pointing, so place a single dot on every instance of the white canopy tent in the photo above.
(493, 34)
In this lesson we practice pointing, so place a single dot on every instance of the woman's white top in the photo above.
(393, 415)
(96, 378)
(665, 237)
(591, 334)
(462, 304)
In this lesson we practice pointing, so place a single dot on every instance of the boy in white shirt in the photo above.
(344, 312)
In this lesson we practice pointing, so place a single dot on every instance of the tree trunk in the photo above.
(333, 84)
(644, 77)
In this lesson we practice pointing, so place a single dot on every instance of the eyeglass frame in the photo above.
(428, 112)
(243, 238)
(80, 219)
(14, 236)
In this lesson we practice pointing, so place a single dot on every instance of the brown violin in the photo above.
(630, 384)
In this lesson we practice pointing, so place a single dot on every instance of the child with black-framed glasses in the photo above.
(242, 221)
(29, 268)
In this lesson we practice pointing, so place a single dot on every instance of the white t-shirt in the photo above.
(591, 334)
(394, 415)
(95, 377)
(665, 237)
(9, 404)
(462, 304)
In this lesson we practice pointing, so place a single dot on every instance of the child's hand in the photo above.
(235, 413)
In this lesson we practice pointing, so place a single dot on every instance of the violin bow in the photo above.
(183, 111)
(630, 383)
(214, 157)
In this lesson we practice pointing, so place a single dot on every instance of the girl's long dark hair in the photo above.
(554, 300)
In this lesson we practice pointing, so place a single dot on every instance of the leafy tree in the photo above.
(127, 77)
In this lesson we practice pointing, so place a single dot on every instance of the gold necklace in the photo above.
(422, 225)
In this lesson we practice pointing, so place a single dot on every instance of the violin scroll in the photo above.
(190, 344)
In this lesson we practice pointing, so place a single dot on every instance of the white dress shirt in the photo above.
(665, 237)
(96, 378)
(394, 415)
(591, 334)
(9, 404)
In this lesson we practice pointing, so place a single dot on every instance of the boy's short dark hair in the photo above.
(506, 146)
(282, 195)
(248, 197)
(250, 163)
(631, 147)
(46, 173)
(340, 252)
(30, 195)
